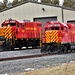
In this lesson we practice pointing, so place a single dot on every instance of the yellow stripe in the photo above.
(1, 32)
(8, 32)
(51, 36)
(54, 36)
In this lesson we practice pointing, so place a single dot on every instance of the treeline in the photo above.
(67, 3)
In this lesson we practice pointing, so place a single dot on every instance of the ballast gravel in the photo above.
(19, 53)
(22, 65)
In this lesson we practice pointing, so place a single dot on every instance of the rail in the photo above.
(30, 56)
(18, 49)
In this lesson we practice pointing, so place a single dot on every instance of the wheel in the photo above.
(48, 49)
(53, 49)
(64, 49)
(72, 50)
(19, 48)
(33, 47)
(43, 49)
(12, 48)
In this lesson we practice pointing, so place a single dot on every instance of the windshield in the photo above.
(54, 28)
(10, 24)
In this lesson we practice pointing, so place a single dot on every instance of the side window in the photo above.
(22, 26)
(65, 29)
(2, 25)
(46, 29)
(62, 28)
(18, 25)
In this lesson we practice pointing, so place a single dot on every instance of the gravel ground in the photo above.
(34, 63)
(64, 69)
(19, 53)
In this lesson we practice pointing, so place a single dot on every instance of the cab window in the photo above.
(52, 28)
(56, 28)
(2, 25)
(62, 28)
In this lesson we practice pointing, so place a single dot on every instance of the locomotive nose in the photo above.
(51, 36)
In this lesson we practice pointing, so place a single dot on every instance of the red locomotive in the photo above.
(59, 37)
(21, 34)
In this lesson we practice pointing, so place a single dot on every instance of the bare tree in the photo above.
(5, 1)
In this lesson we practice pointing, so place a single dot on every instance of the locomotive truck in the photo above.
(59, 37)
(18, 34)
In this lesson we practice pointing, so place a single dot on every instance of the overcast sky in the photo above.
(8, 0)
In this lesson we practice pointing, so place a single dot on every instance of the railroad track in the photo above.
(18, 49)
(11, 50)
(31, 56)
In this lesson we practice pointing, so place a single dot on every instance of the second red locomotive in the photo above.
(59, 37)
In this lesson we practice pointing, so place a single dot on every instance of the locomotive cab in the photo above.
(10, 29)
(9, 22)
